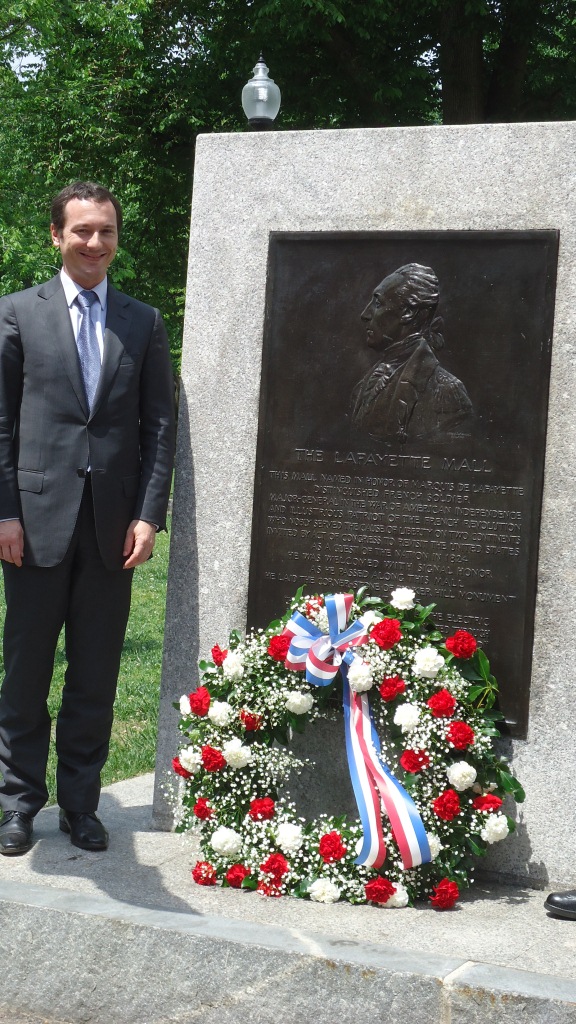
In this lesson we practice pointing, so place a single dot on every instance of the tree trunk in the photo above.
(506, 90)
(461, 65)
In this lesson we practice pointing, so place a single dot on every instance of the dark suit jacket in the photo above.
(418, 400)
(48, 436)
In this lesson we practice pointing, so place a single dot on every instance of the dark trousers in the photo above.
(93, 604)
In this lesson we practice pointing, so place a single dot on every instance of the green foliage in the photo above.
(119, 89)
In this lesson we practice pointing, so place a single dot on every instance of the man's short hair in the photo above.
(82, 190)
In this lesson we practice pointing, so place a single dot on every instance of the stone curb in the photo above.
(88, 959)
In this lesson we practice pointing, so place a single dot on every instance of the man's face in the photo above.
(383, 315)
(88, 240)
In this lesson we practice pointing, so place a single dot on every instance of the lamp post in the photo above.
(261, 98)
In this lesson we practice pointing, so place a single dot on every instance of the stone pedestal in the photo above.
(481, 177)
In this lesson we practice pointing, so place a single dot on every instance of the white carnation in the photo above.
(235, 754)
(220, 713)
(185, 708)
(226, 841)
(289, 837)
(434, 844)
(299, 703)
(403, 599)
(495, 829)
(233, 666)
(360, 676)
(461, 775)
(427, 662)
(407, 717)
(369, 619)
(190, 759)
(399, 898)
(324, 891)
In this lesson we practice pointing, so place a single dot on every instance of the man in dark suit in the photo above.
(86, 450)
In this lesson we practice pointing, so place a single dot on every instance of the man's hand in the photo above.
(12, 541)
(140, 539)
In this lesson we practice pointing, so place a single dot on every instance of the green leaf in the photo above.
(511, 785)
(424, 612)
(477, 845)
(305, 883)
(249, 882)
(298, 723)
(280, 735)
(482, 663)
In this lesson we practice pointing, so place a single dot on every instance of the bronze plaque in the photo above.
(402, 428)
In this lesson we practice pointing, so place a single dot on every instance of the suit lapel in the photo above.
(118, 321)
(60, 334)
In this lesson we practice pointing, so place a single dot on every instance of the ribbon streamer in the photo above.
(321, 656)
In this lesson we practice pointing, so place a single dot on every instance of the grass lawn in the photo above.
(133, 744)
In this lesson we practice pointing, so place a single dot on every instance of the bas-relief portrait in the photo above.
(396, 445)
(407, 395)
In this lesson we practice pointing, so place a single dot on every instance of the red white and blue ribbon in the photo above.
(321, 656)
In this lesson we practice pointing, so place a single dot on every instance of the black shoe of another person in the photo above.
(15, 832)
(85, 830)
(563, 904)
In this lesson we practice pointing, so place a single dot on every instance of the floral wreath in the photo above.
(420, 721)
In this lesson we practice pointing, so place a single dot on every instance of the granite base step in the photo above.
(125, 937)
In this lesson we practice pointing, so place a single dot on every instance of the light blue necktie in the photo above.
(87, 344)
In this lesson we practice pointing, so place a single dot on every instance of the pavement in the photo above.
(126, 937)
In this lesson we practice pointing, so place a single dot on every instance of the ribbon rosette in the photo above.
(321, 656)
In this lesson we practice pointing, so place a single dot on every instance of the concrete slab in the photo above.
(126, 936)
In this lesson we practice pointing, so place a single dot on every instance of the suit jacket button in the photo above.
(81, 472)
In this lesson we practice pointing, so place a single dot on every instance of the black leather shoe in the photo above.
(563, 904)
(85, 830)
(15, 832)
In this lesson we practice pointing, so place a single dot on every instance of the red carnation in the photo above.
(278, 647)
(487, 803)
(460, 735)
(276, 865)
(177, 767)
(236, 875)
(391, 687)
(200, 701)
(445, 894)
(250, 721)
(331, 847)
(447, 805)
(204, 873)
(386, 633)
(414, 760)
(442, 704)
(212, 759)
(313, 606)
(462, 644)
(379, 890)
(262, 809)
(218, 654)
(272, 888)
(202, 809)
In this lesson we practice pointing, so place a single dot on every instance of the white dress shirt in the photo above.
(97, 311)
